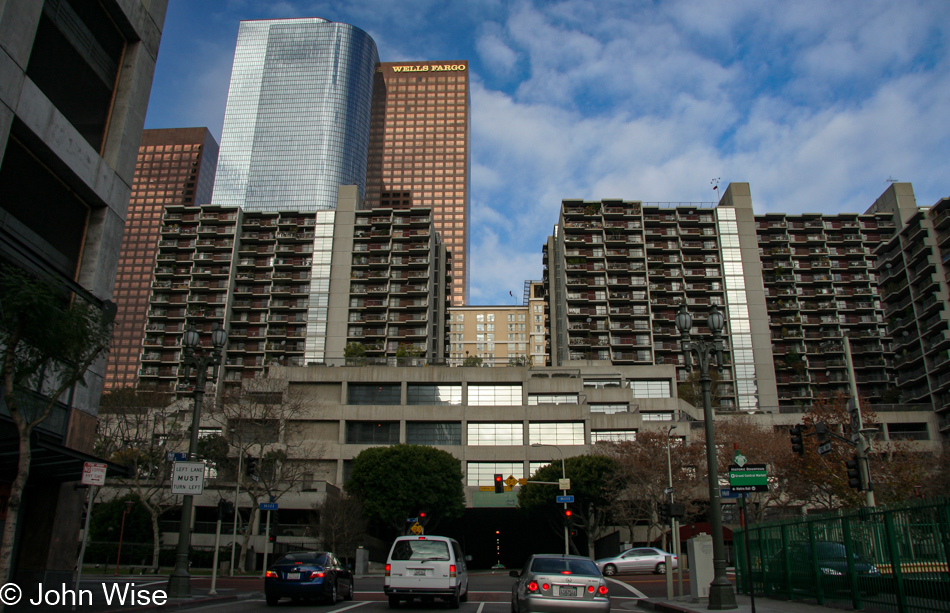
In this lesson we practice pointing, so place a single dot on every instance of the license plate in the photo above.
(567, 591)
(293, 576)
(419, 572)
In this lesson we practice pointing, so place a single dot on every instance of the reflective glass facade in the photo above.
(297, 121)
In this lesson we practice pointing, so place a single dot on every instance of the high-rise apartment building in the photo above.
(175, 167)
(74, 86)
(297, 121)
(419, 151)
(792, 287)
(294, 288)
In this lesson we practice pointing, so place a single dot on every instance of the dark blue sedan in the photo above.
(308, 574)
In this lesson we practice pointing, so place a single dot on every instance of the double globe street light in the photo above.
(199, 358)
(721, 593)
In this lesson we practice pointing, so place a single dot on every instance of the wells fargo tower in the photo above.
(419, 150)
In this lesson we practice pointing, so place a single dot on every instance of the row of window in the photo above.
(478, 433)
(487, 394)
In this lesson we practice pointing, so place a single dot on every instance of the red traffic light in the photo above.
(568, 512)
(423, 514)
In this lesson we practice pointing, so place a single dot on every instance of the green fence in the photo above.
(886, 558)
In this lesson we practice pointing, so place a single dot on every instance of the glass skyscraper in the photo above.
(297, 122)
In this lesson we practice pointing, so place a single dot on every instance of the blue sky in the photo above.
(816, 104)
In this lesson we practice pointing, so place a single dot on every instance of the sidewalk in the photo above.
(762, 605)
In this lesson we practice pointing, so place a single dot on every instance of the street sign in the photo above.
(824, 448)
(725, 492)
(511, 481)
(176, 456)
(564, 484)
(416, 528)
(268, 506)
(667, 490)
(563, 499)
(188, 478)
(748, 478)
(93, 473)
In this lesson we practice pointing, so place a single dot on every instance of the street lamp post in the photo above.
(128, 507)
(674, 522)
(199, 358)
(567, 547)
(721, 593)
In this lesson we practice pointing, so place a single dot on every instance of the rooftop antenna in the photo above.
(715, 184)
(891, 179)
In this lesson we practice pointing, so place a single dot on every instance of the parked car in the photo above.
(554, 583)
(637, 560)
(426, 567)
(308, 574)
(832, 568)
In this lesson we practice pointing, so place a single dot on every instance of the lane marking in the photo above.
(480, 607)
(637, 592)
(353, 606)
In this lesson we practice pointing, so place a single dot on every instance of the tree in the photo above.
(591, 477)
(341, 524)
(472, 360)
(760, 444)
(642, 476)
(139, 428)
(408, 353)
(260, 420)
(821, 480)
(49, 340)
(397, 482)
(355, 354)
(691, 389)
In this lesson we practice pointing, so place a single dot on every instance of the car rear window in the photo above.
(564, 566)
(305, 557)
(420, 550)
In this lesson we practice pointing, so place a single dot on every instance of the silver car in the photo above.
(552, 583)
(636, 560)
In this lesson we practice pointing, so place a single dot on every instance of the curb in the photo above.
(663, 607)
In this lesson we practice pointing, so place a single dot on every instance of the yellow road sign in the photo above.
(416, 528)
(511, 481)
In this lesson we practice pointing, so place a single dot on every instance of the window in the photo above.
(434, 394)
(433, 433)
(597, 436)
(601, 383)
(536, 399)
(480, 395)
(609, 407)
(656, 415)
(650, 389)
(483, 473)
(381, 393)
(491, 434)
(556, 433)
(372, 432)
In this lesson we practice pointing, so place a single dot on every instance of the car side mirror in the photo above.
(514, 573)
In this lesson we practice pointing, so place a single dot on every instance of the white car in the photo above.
(636, 560)
(426, 567)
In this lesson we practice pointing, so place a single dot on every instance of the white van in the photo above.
(426, 567)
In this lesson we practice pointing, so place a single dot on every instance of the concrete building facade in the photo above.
(75, 79)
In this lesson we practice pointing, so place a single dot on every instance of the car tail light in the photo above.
(590, 588)
(565, 572)
(389, 568)
(452, 570)
(545, 587)
(533, 586)
(270, 574)
(316, 573)
(602, 590)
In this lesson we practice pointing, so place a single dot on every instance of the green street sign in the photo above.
(748, 478)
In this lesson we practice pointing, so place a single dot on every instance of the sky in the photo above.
(816, 104)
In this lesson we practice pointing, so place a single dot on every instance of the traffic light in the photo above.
(677, 510)
(798, 444)
(423, 518)
(666, 512)
(225, 509)
(250, 466)
(854, 473)
(499, 484)
(822, 431)
(568, 515)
